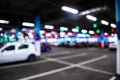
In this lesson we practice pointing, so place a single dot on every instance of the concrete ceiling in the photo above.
(18, 11)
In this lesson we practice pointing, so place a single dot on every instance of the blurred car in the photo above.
(46, 47)
(112, 45)
(18, 51)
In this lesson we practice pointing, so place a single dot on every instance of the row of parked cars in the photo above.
(20, 51)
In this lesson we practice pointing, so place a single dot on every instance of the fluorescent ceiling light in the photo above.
(91, 18)
(28, 24)
(64, 28)
(4, 21)
(75, 30)
(91, 32)
(71, 10)
(113, 25)
(84, 31)
(92, 10)
(49, 27)
(104, 22)
(1, 29)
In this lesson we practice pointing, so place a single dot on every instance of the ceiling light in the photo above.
(92, 10)
(49, 27)
(1, 29)
(104, 22)
(64, 28)
(91, 32)
(4, 21)
(113, 25)
(28, 24)
(75, 30)
(71, 10)
(84, 31)
(91, 18)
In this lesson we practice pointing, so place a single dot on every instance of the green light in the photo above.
(97, 31)
(61, 30)
(77, 27)
(94, 25)
(5, 40)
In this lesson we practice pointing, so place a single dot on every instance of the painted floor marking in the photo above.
(58, 53)
(85, 62)
(113, 78)
(70, 65)
(46, 73)
(96, 70)
(93, 60)
(58, 61)
(72, 56)
(22, 64)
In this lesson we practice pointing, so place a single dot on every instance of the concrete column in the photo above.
(117, 5)
(37, 34)
(16, 32)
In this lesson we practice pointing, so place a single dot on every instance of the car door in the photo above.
(22, 51)
(8, 54)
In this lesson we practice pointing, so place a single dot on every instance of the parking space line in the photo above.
(58, 53)
(85, 62)
(70, 65)
(46, 73)
(72, 56)
(58, 61)
(92, 60)
(96, 70)
(22, 64)
(113, 78)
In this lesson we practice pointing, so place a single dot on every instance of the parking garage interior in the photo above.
(74, 44)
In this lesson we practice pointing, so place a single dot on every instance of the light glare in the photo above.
(4, 21)
(28, 24)
(49, 27)
(113, 25)
(68, 9)
(104, 22)
(91, 18)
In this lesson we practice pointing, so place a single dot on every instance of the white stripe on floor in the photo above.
(58, 53)
(92, 60)
(96, 70)
(112, 78)
(46, 73)
(58, 61)
(22, 64)
(71, 65)
(72, 56)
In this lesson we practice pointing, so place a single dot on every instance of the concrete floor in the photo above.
(64, 64)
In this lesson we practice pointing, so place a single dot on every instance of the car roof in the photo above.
(17, 43)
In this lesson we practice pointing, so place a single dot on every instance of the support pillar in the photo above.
(16, 33)
(37, 34)
(117, 6)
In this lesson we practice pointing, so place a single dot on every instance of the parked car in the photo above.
(18, 51)
(112, 45)
(46, 47)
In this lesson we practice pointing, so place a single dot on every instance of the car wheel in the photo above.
(31, 58)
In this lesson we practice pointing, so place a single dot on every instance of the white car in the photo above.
(18, 51)
(112, 45)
